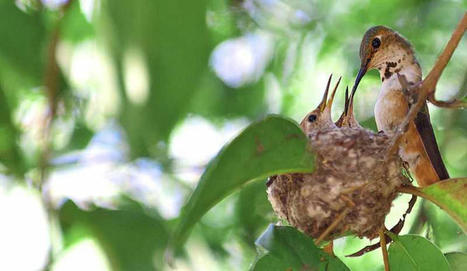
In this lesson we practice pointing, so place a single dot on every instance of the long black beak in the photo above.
(360, 75)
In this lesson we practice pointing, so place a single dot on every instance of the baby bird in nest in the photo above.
(354, 182)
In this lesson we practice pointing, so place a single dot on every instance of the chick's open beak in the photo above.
(322, 105)
(331, 99)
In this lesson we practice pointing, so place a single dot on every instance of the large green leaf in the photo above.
(74, 26)
(457, 260)
(294, 250)
(21, 46)
(450, 196)
(132, 239)
(10, 152)
(250, 209)
(172, 38)
(445, 232)
(413, 252)
(268, 262)
(271, 146)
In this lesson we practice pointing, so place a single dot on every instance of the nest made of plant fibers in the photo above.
(354, 179)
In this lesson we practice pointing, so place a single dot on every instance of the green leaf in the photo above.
(74, 26)
(445, 232)
(267, 262)
(457, 260)
(268, 147)
(131, 238)
(251, 212)
(413, 252)
(175, 46)
(22, 43)
(294, 250)
(10, 152)
(449, 195)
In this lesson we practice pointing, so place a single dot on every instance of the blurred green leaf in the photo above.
(74, 26)
(10, 152)
(295, 250)
(80, 137)
(132, 239)
(457, 260)
(172, 37)
(271, 146)
(413, 252)
(251, 210)
(22, 41)
(450, 196)
(216, 101)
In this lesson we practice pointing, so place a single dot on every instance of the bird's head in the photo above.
(386, 50)
(347, 118)
(320, 118)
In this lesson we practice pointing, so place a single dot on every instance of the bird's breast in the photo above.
(390, 109)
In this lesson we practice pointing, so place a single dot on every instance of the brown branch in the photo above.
(382, 241)
(51, 88)
(428, 85)
(447, 104)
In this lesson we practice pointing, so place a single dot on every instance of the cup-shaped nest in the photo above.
(354, 182)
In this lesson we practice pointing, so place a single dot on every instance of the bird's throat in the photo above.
(402, 64)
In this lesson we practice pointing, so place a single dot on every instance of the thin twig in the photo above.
(333, 225)
(455, 104)
(382, 241)
(51, 88)
(428, 85)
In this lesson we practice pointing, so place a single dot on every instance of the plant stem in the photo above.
(382, 240)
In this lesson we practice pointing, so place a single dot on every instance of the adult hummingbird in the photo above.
(392, 55)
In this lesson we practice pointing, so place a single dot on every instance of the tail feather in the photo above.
(425, 130)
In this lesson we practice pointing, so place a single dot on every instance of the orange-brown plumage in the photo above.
(392, 55)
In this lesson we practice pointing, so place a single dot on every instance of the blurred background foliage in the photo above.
(111, 109)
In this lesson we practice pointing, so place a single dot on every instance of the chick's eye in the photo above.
(311, 118)
(376, 43)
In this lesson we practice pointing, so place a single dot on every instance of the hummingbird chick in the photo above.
(354, 182)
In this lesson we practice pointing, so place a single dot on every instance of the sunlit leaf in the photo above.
(74, 26)
(271, 146)
(457, 260)
(413, 252)
(450, 196)
(294, 250)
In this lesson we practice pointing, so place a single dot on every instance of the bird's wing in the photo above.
(424, 128)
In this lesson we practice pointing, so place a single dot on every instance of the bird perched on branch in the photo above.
(392, 55)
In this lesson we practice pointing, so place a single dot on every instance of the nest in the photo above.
(351, 189)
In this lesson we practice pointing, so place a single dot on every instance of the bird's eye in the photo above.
(311, 118)
(376, 43)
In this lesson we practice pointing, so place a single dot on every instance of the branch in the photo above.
(450, 104)
(382, 241)
(428, 85)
